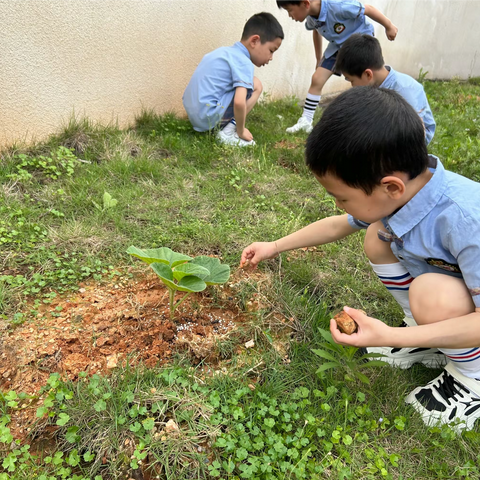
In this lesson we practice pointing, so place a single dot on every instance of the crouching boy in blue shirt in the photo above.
(360, 61)
(334, 20)
(369, 152)
(223, 90)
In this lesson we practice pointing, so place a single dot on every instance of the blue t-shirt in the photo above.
(438, 230)
(414, 94)
(338, 19)
(212, 86)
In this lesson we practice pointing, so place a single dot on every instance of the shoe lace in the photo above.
(449, 387)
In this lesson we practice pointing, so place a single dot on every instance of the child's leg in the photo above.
(319, 78)
(397, 280)
(455, 394)
(435, 297)
(389, 270)
(255, 94)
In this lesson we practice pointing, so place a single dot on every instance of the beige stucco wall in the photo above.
(106, 59)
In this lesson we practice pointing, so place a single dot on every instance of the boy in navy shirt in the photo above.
(223, 90)
(360, 61)
(335, 20)
(369, 152)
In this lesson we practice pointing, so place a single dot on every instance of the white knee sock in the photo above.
(397, 280)
(310, 106)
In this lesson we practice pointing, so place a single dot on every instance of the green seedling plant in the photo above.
(345, 358)
(181, 273)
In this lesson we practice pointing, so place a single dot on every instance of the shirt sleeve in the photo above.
(242, 75)
(464, 243)
(357, 224)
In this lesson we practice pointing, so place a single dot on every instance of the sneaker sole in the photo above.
(436, 360)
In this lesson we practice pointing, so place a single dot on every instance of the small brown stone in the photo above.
(345, 323)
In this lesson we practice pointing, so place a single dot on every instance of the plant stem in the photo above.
(180, 302)
(172, 298)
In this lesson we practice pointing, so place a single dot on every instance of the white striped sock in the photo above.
(310, 106)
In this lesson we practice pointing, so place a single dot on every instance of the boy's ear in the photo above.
(393, 186)
(254, 40)
(367, 75)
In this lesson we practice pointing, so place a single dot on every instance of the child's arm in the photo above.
(240, 113)
(317, 44)
(324, 231)
(459, 332)
(377, 16)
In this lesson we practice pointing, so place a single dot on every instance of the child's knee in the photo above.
(257, 85)
(435, 297)
(376, 250)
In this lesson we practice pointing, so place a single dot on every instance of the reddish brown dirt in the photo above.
(101, 326)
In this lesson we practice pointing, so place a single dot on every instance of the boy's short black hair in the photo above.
(365, 134)
(265, 25)
(359, 52)
(284, 3)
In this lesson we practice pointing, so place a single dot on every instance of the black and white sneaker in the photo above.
(406, 357)
(451, 398)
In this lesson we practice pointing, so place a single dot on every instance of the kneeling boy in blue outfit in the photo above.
(223, 90)
(369, 152)
(360, 61)
(335, 20)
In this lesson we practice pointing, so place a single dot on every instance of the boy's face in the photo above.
(368, 208)
(365, 80)
(298, 12)
(262, 53)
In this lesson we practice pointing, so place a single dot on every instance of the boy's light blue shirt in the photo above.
(212, 86)
(338, 20)
(438, 230)
(414, 94)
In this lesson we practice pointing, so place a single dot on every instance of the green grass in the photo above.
(179, 189)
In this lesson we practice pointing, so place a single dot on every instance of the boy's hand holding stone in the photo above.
(370, 331)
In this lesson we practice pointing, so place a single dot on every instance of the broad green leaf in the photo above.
(372, 355)
(219, 272)
(326, 366)
(165, 273)
(324, 354)
(191, 284)
(185, 269)
(108, 201)
(162, 255)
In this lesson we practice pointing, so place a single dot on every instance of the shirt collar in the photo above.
(389, 78)
(323, 11)
(413, 212)
(243, 48)
(322, 16)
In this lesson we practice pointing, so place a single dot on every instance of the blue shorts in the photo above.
(228, 115)
(329, 63)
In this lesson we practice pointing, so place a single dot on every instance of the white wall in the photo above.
(106, 59)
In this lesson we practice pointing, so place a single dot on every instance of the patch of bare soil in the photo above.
(101, 326)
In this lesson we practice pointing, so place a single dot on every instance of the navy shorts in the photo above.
(329, 63)
(228, 115)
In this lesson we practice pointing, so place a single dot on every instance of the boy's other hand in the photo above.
(391, 32)
(370, 331)
(256, 252)
(245, 134)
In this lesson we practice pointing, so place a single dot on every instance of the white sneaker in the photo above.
(407, 357)
(451, 398)
(231, 138)
(302, 124)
